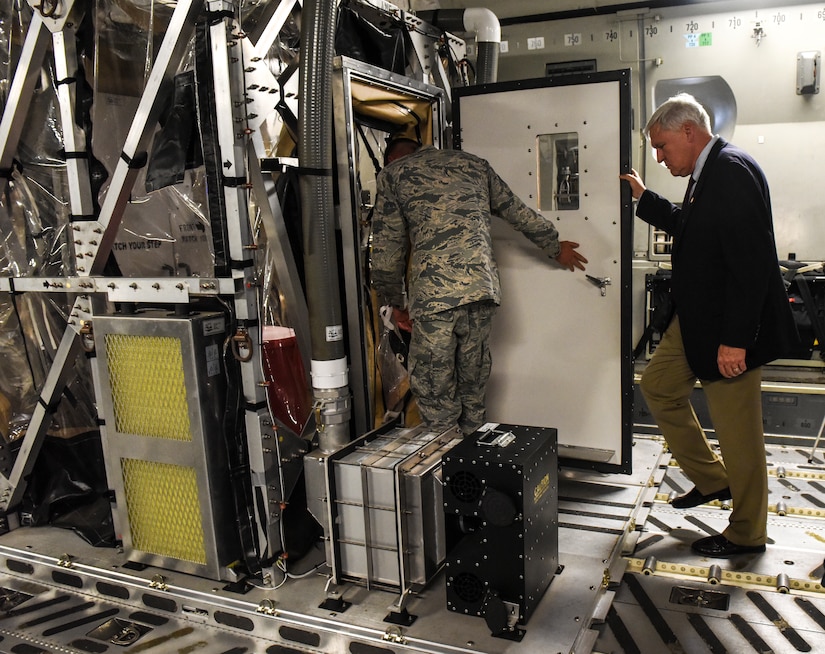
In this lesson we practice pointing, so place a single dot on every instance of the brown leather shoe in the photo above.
(720, 547)
(694, 498)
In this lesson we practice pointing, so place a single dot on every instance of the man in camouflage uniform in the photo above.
(431, 226)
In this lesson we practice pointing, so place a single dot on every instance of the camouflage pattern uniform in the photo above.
(432, 252)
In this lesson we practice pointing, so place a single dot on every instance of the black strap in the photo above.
(318, 172)
(233, 182)
(367, 145)
(136, 162)
(242, 264)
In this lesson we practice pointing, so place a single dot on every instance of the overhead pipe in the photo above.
(479, 21)
(330, 379)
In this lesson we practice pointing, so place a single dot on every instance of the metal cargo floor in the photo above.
(672, 600)
(628, 583)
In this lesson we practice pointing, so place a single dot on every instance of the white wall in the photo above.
(783, 130)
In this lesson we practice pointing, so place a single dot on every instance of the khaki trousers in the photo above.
(736, 413)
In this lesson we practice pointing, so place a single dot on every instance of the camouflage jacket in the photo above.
(432, 223)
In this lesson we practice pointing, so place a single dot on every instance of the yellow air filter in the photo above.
(148, 389)
(164, 509)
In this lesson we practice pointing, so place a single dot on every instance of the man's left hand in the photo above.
(731, 361)
(569, 257)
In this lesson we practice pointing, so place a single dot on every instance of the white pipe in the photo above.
(479, 21)
(483, 23)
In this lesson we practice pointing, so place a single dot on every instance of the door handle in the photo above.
(601, 282)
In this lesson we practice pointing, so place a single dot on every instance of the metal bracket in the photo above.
(158, 582)
(398, 614)
(335, 598)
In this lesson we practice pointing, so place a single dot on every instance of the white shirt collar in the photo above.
(703, 157)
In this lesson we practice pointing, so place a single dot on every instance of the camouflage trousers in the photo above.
(449, 365)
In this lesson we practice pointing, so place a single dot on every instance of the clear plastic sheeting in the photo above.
(166, 227)
(7, 31)
(33, 207)
(164, 232)
(31, 327)
(34, 218)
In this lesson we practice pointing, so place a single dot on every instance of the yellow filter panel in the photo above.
(148, 386)
(163, 506)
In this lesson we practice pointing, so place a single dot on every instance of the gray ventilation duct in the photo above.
(479, 21)
(330, 380)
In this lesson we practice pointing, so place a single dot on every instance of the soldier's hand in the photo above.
(402, 319)
(569, 257)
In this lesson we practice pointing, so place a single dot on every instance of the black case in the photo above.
(501, 487)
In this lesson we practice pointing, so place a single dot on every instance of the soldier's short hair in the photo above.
(399, 147)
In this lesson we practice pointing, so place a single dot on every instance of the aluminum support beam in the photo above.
(233, 127)
(62, 368)
(20, 94)
(64, 45)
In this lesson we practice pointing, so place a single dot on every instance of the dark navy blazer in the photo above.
(726, 284)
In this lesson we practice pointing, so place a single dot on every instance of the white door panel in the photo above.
(561, 346)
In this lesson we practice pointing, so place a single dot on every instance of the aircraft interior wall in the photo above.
(754, 52)
(176, 391)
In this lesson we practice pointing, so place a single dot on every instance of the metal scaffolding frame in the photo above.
(246, 93)
(241, 147)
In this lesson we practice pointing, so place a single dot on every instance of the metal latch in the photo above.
(601, 282)
(394, 635)
(158, 582)
(496, 438)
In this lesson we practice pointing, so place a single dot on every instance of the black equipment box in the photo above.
(806, 294)
(501, 484)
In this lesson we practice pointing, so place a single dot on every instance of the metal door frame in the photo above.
(348, 71)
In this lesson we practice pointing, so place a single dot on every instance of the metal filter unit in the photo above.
(163, 509)
(383, 520)
(162, 393)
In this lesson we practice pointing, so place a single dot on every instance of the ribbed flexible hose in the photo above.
(329, 367)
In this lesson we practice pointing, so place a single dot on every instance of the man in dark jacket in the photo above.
(731, 317)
